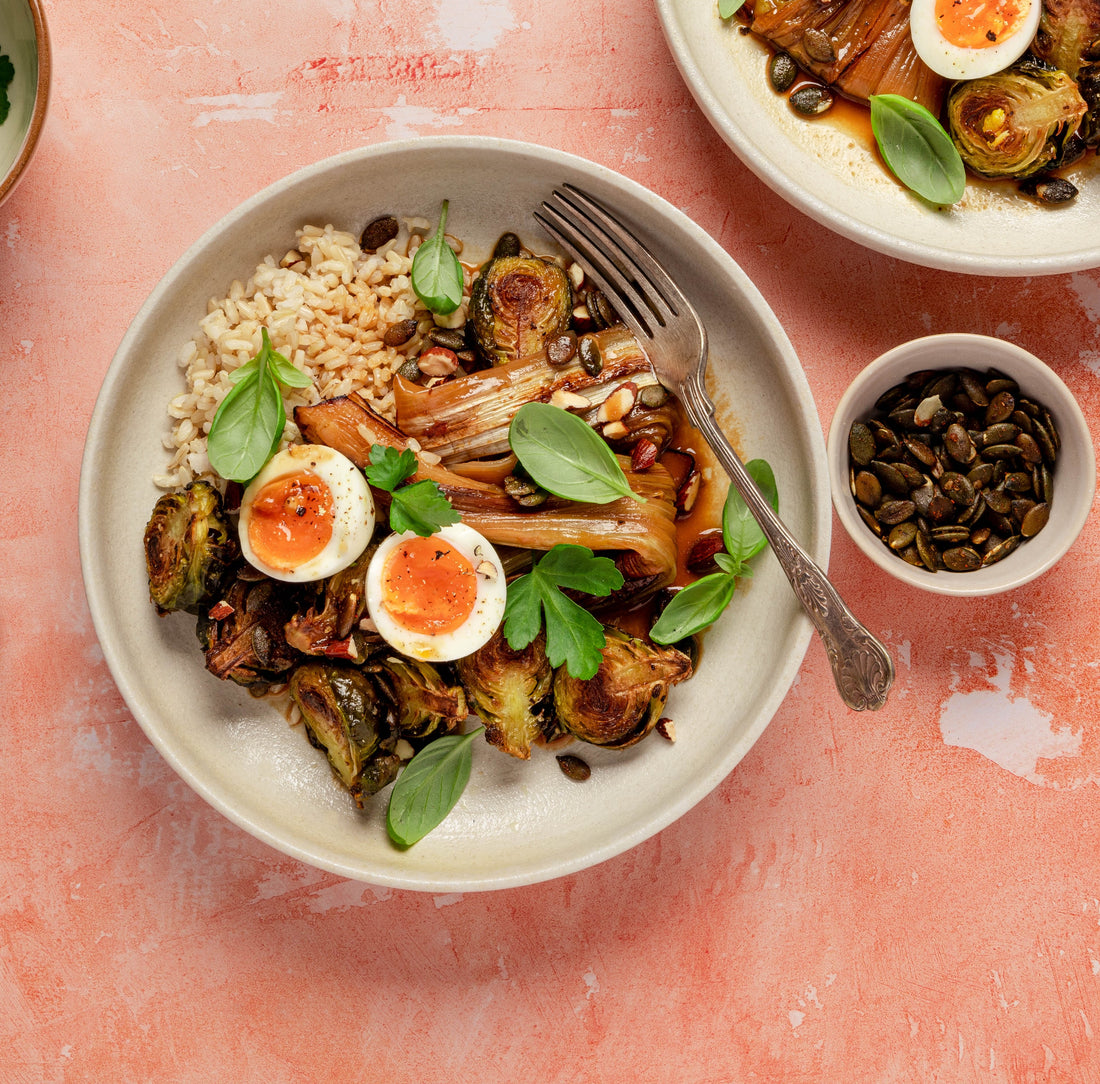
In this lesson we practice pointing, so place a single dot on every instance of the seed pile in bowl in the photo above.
(954, 468)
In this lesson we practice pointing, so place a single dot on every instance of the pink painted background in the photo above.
(908, 896)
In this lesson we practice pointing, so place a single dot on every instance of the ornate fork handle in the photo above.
(861, 666)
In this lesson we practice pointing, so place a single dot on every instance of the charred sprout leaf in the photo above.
(517, 305)
(566, 456)
(243, 634)
(436, 272)
(429, 787)
(623, 700)
(1017, 122)
(423, 702)
(573, 636)
(343, 603)
(917, 149)
(508, 688)
(343, 715)
(420, 507)
(249, 422)
(188, 548)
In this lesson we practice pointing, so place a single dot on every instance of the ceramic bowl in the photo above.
(832, 172)
(518, 821)
(1074, 471)
(25, 41)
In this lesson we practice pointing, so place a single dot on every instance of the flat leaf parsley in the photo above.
(421, 507)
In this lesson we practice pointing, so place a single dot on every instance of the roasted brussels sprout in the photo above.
(424, 705)
(188, 547)
(345, 716)
(1069, 34)
(510, 691)
(242, 633)
(623, 702)
(517, 304)
(343, 604)
(1017, 122)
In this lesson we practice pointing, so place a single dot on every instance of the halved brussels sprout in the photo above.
(188, 547)
(624, 701)
(1015, 123)
(1069, 34)
(517, 304)
(423, 703)
(510, 691)
(343, 603)
(345, 716)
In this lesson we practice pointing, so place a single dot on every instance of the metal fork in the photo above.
(655, 309)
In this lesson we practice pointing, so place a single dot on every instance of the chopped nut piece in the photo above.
(569, 400)
(615, 431)
(619, 403)
(667, 729)
(220, 611)
(643, 455)
(438, 361)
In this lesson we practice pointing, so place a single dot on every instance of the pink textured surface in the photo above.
(906, 896)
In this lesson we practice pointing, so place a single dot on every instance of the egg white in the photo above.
(957, 62)
(353, 510)
(475, 631)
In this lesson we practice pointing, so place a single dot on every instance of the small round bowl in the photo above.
(1074, 471)
(25, 40)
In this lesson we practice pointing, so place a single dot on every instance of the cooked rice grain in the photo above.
(326, 306)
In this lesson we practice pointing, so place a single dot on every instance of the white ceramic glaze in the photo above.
(1074, 475)
(836, 178)
(518, 822)
(25, 40)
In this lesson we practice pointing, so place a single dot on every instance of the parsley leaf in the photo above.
(573, 636)
(420, 506)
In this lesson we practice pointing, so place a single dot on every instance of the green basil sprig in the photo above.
(917, 149)
(249, 421)
(429, 786)
(573, 636)
(700, 603)
(566, 456)
(436, 272)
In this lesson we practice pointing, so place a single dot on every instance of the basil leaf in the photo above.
(249, 422)
(284, 372)
(573, 636)
(566, 456)
(728, 8)
(429, 787)
(917, 149)
(740, 531)
(694, 608)
(436, 272)
(421, 507)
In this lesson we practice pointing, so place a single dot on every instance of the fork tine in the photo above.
(631, 304)
(638, 254)
(613, 256)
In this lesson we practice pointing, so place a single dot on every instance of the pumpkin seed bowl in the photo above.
(961, 464)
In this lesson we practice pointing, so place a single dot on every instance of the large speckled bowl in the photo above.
(518, 822)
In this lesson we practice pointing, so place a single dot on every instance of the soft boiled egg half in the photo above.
(308, 514)
(437, 598)
(969, 39)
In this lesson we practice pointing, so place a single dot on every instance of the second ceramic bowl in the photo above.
(1074, 472)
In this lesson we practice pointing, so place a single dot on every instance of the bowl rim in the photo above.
(886, 370)
(41, 101)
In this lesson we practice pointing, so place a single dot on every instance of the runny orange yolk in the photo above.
(428, 586)
(978, 24)
(292, 518)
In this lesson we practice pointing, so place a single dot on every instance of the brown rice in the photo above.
(326, 306)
